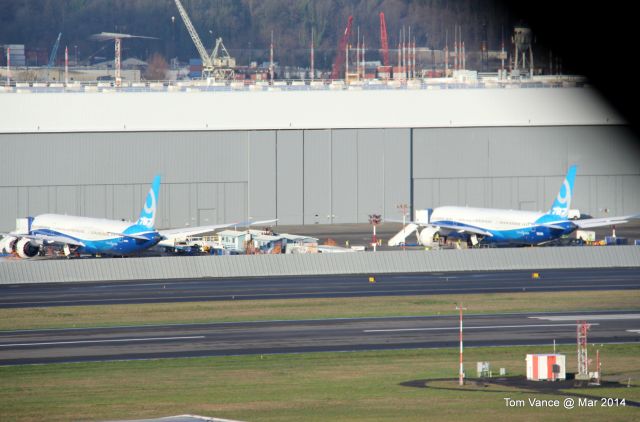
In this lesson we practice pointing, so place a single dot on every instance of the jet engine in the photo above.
(427, 236)
(25, 248)
(7, 244)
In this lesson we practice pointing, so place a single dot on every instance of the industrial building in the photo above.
(311, 156)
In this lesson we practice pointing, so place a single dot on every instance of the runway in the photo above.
(269, 337)
(71, 294)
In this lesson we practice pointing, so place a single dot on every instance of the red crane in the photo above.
(384, 43)
(340, 57)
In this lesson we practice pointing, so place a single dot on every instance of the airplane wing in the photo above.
(406, 222)
(605, 221)
(256, 223)
(172, 235)
(64, 240)
(460, 227)
(192, 231)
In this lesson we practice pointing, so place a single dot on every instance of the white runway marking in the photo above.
(586, 317)
(99, 341)
(457, 327)
(634, 331)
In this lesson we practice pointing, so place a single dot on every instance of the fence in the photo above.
(62, 270)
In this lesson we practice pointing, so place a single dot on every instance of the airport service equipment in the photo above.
(546, 367)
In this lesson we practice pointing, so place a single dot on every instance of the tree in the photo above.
(156, 68)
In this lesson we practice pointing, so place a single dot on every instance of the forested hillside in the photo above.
(246, 25)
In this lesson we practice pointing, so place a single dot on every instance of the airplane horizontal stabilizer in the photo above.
(137, 236)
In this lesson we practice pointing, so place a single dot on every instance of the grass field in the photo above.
(288, 309)
(366, 386)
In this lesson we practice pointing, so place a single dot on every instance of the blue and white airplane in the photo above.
(100, 236)
(504, 227)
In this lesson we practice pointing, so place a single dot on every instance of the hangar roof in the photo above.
(246, 110)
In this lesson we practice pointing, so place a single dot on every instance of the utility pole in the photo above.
(271, 59)
(8, 66)
(66, 65)
(312, 58)
(461, 372)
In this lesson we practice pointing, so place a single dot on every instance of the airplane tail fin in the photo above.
(148, 213)
(561, 205)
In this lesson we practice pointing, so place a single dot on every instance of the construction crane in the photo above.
(107, 36)
(341, 54)
(384, 43)
(54, 51)
(220, 64)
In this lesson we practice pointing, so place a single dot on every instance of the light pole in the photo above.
(461, 372)
(374, 219)
(173, 38)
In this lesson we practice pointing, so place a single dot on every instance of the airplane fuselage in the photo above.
(505, 226)
(99, 236)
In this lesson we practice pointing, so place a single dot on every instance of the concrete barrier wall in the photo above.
(42, 271)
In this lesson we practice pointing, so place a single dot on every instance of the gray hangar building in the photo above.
(310, 157)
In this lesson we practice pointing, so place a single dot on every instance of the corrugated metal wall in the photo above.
(314, 176)
(318, 264)
(523, 168)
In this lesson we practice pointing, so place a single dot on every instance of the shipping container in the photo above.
(614, 240)
(546, 367)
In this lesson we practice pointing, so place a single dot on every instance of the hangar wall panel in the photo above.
(235, 202)
(344, 175)
(397, 170)
(290, 176)
(450, 152)
(207, 203)
(66, 200)
(317, 176)
(123, 158)
(425, 193)
(95, 201)
(262, 175)
(9, 206)
(631, 193)
(370, 173)
(38, 199)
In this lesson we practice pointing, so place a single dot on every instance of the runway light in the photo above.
(372, 279)
(535, 276)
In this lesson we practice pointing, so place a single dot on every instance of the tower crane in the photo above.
(54, 51)
(107, 36)
(384, 43)
(219, 64)
(340, 56)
